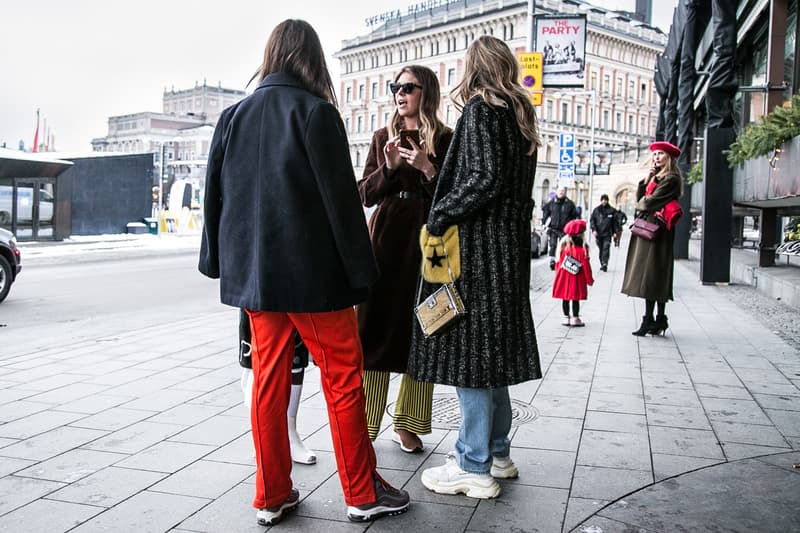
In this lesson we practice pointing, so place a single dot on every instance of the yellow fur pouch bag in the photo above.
(441, 256)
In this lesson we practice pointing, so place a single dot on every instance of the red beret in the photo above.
(575, 227)
(666, 147)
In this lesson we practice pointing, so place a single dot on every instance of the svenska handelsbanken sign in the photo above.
(562, 41)
(411, 10)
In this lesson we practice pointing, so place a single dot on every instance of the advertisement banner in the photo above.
(562, 42)
(602, 162)
(531, 74)
(582, 162)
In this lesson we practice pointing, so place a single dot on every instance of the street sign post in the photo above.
(531, 64)
(566, 160)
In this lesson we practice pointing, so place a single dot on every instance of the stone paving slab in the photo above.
(765, 494)
(145, 430)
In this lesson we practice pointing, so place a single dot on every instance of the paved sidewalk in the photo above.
(145, 430)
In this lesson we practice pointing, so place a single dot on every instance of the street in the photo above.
(89, 300)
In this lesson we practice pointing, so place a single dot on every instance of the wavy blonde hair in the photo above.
(492, 71)
(431, 127)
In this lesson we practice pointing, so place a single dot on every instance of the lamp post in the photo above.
(592, 94)
(162, 174)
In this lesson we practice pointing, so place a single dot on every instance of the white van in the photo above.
(25, 205)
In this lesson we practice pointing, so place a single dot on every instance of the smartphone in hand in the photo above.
(404, 138)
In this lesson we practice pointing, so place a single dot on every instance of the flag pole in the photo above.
(36, 134)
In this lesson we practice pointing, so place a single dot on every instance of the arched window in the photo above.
(545, 192)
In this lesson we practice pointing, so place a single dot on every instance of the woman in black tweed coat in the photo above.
(485, 188)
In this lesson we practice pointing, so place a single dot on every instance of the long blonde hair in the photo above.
(568, 240)
(431, 127)
(671, 167)
(294, 47)
(491, 70)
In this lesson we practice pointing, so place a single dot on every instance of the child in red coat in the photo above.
(573, 275)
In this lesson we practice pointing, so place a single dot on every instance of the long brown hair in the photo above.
(294, 47)
(431, 127)
(492, 71)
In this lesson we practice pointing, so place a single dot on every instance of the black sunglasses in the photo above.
(408, 88)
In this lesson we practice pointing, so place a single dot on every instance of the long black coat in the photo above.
(385, 319)
(650, 264)
(485, 187)
(284, 228)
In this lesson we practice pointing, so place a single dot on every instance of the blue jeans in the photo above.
(485, 424)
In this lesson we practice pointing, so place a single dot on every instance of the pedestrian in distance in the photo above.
(484, 190)
(620, 219)
(603, 223)
(300, 453)
(650, 263)
(556, 213)
(573, 272)
(286, 236)
(399, 177)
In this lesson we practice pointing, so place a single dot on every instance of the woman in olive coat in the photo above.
(649, 266)
(485, 188)
(399, 177)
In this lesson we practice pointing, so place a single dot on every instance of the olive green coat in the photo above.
(650, 264)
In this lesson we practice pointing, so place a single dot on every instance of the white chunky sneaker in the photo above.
(504, 468)
(450, 479)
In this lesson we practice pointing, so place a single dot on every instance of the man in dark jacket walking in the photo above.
(559, 210)
(604, 225)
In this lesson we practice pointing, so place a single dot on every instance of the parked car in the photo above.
(25, 205)
(9, 262)
(538, 243)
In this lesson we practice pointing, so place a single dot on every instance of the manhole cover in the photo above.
(447, 415)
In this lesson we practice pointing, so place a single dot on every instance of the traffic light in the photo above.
(155, 193)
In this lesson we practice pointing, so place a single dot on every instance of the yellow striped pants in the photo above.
(412, 411)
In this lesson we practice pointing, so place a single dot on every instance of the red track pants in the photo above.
(332, 338)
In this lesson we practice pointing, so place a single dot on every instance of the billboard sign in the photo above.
(562, 41)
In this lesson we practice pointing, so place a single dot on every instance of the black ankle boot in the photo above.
(660, 325)
(645, 328)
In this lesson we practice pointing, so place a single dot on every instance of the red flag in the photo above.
(36, 135)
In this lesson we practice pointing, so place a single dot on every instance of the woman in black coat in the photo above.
(400, 177)
(285, 234)
(485, 187)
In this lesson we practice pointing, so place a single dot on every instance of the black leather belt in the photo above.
(405, 195)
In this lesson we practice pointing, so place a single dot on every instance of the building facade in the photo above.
(181, 133)
(620, 55)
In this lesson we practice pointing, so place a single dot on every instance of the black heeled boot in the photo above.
(660, 325)
(645, 328)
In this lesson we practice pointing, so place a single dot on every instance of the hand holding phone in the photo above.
(405, 135)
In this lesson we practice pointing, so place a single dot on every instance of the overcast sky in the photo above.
(81, 61)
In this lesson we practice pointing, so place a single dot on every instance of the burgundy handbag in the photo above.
(644, 229)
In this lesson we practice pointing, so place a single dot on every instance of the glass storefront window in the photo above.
(789, 73)
(758, 100)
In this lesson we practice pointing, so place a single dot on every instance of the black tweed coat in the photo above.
(485, 187)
